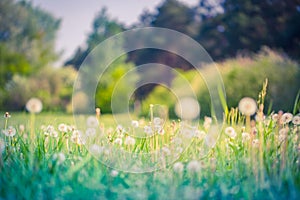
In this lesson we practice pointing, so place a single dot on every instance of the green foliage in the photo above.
(53, 86)
(112, 85)
(242, 77)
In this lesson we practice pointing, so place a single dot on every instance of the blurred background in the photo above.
(43, 43)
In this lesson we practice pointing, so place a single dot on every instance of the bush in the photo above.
(243, 76)
(53, 86)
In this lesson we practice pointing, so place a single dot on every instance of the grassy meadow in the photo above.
(44, 156)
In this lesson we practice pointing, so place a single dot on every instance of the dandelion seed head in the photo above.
(286, 118)
(129, 141)
(63, 128)
(230, 132)
(92, 122)
(59, 158)
(34, 105)
(193, 166)
(118, 141)
(148, 130)
(178, 167)
(22, 128)
(114, 173)
(296, 120)
(135, 123)
(187, 108)
(90, 132)
(245, 137)
(10, 131)
(157, 121)
(247, 106)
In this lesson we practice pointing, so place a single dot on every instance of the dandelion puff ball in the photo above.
(187, 108)
(247, 106)
(34, 105)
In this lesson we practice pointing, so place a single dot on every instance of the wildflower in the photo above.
(129, 141)
(77, 137)
(48, 130)
(134, 124)
(161, 131)
(193, 166)
(247, 106)
(118, 141)
(22, 128)
(7, 115)
(187, 108)
(207, 122)
(54, 134)
(98, 112)
(245, 136)
(2, 145)
(120, 130)
(275, 117)
(90, 132)
(166, 151)
(286, 118)
(199, 134)
(296, 120)
(157, 121)
(34, 105)
(92, 121)
(59, 157)
(230, 132)
(63, 128)
(178, 167)
(114, 173)
(96, 149)
(255, 143)
(10, 131)
(283, 134)
(148, 130)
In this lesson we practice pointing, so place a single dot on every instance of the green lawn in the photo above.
(48, 166)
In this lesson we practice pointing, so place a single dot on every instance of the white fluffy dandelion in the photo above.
(275, 117)
(245, 137)
(129, 141)
(230, 132)
(118, 141)
(134, 123)
(90, 132)
(178, 167)
(200, 134)
(247, 106)
(34, 105)
(193, 166)
(157, 121)
(148, 130)
(10, 131)
(63, 128)
(296, 120)
(286, 118)
(59, 157)
(92, 121)
(187, 108)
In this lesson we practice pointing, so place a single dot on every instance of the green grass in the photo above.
(230, 170)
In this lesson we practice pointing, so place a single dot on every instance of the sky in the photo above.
(77, 17)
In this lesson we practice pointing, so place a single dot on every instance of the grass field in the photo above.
(53, 160)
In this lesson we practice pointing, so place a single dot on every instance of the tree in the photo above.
(26, 40)
(247, 25)
(103, 28)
